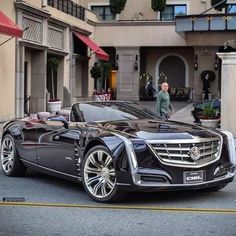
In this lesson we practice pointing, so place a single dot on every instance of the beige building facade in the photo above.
(154, 39)
(49, 31)
(138, 41)
(7, 69)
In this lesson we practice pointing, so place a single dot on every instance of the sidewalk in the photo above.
(184, 114)
(182, 110)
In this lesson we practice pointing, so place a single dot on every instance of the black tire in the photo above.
(15, 167)
(102, 178)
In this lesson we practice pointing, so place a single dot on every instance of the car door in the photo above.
(57, 147)
(26, 140)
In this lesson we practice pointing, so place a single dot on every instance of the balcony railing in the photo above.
(68, 7)
(209, 22)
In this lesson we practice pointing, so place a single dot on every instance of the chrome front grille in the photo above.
(177, 152)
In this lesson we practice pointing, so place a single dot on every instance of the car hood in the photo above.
(157, 130)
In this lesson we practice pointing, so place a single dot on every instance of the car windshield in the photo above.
(109, 111)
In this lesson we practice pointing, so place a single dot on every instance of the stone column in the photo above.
(20, 59)
(60, 79)
(228, 91)
(128, 76)
(38, 81)
(66, 71)
(73, 77)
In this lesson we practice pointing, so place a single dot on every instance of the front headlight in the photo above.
(144, 156)
(130, 152)
(231, 146)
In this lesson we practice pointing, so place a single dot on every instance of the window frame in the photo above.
(104, 7)
(173, 8)
(227, 6)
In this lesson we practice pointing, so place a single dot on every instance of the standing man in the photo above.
(163, 105)
(206, 87)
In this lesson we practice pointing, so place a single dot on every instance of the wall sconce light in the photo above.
(216, 64)
(117, 64)
(195, 62)
(136, 63)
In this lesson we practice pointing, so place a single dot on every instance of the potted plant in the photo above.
(54, 104)
(102, 96)
(95, 73)
(106, 69)
(101, 70)
(210, 117)
(158, 5)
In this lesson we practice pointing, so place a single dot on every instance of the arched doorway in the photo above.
(175, 68)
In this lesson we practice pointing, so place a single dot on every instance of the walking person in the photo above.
(150, 90)
(163, 105)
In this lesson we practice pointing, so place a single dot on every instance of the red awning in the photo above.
(9, 27)
(98, 51)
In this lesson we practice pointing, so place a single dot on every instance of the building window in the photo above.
(68, 7)
(103, 12)
(231, 8)
(171, 11)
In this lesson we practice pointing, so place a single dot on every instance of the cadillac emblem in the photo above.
(194, 153)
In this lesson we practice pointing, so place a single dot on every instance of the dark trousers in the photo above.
(164, 116)
(206, 97)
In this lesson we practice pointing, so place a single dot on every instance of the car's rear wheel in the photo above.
(11, 165)
(99, 176)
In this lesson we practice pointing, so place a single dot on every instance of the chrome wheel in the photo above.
(99, 174)
(7, 155)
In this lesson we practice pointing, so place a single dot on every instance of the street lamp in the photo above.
(195, 62)
(136, 63)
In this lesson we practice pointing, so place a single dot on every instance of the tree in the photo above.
(106, 71)
(220, 6)
(101, 70)
(95, 73)
(53, 64)
(158, 5)
(117, 6)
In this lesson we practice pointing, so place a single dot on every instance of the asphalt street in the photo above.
(57, 207)
(53, 206)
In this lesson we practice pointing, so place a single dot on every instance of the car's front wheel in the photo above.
(99, 176)
(11, 165)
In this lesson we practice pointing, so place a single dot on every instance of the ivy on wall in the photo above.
(220, 6)
(117, 6)
(158, 5)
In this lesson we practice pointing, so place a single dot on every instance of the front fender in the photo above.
(14, 129)
(113, 143)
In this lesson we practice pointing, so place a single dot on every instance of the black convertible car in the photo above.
(113, 147)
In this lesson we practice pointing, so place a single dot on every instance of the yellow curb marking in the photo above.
(122, 207)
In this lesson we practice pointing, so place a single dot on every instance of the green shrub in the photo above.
(117, 6)
(209, 112)
(158, 5)
(219, 7)
(95, 71)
